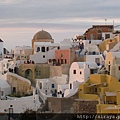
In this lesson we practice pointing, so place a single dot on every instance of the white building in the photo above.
(43, 51)
(48, 87)
(19, 105)
(79, 73)
(5, 64)
(91, 53)
(5, 89)
(22, 52)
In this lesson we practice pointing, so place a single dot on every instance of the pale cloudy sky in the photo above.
(21, 19)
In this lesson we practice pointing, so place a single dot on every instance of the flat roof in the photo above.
(110, 93)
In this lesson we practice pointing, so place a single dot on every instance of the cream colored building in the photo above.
(112, 64)
(22, 52)
(103, 88)
(34, 71)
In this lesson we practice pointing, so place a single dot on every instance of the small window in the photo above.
(95, 90)
(40, 85)
(58, 61)
(80, 72)
(11, 105)
(61, 61)
(5, 110)
(58, 47)
(119, 68)
(70, 86)
(43, 56)
(92, 71)
(80, 89)
(38, 49)
(47, 48)
(65, 61)
(53, 86)
(43, 49)
(74, 71)
(107, 36)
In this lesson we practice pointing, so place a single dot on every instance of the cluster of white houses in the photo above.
(56, 69)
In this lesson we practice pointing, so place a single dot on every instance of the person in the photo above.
(89, 41)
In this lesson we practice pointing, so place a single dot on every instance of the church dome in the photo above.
(42, 35)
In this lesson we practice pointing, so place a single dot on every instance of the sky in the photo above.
(63, 19)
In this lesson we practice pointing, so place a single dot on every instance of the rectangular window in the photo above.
(40, 85)
(119, 68)
(61, 61)
(43, 56)
(47, 48)
(91, 71)
(95, 90)
(70, 86)
(43, 49)
(14, 90)
(53, 86)
(107, 36)
(65, 61)
(58, 61)
(74, 71)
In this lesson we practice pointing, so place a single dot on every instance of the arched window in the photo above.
(38, 49)
(70, 86)
(99, 35)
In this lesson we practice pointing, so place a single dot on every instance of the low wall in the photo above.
(82, 106)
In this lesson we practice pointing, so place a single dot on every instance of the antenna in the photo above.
(105, 21)
(113, 25)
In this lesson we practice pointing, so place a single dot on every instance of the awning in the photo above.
(94, 84)
(110, 93)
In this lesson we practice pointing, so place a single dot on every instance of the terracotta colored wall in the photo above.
(94, 30)
(63, 54)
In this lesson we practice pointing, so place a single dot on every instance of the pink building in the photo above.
(64, 56)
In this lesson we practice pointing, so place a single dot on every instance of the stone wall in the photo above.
(44, 70)
(55, 71)
(81, 106)
(20, 87)
(60, 104)
(65, 69)
(59, 70)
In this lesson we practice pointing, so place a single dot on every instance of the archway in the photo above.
(99, 35)
(28, 74)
